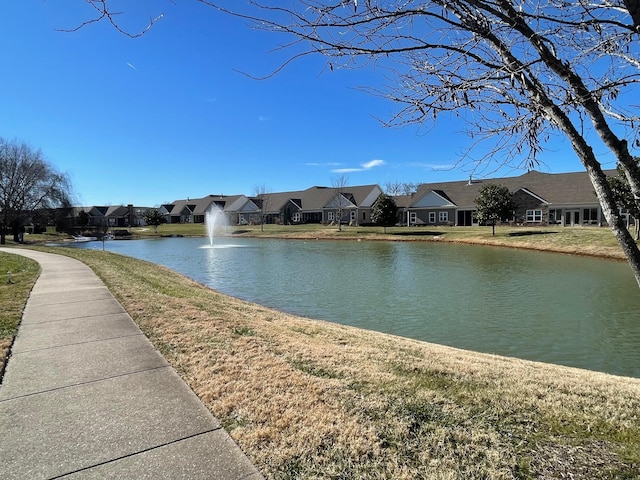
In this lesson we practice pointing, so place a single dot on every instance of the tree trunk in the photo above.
(610, 211)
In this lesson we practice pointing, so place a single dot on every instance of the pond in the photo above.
(554, 308)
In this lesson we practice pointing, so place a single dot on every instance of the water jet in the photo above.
(216, 223)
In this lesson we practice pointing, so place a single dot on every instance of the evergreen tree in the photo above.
(493, 203)
(154, 218)
(384, 211)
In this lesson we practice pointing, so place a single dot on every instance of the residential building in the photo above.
(566, 199)
(539, 199)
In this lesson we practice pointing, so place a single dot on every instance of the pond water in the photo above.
(554, 308)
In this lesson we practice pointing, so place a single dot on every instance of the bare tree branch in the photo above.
(105, 14)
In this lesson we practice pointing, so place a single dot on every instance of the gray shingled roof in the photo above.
(555, 188)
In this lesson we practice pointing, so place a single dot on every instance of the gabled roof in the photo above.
(314, 199)
(243, 204)
(530, 193)
(364, 195)
(275, 202)
(553, 188)
(182, 207)
(98, 211)
(234, 203)
(200, 206)
(434, 198)
(117, 211)
(341, 200)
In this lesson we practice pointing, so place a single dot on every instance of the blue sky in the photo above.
(170, 115)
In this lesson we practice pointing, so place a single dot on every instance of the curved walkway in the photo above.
(85, 394)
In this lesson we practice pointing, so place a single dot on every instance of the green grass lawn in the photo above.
(13, 296)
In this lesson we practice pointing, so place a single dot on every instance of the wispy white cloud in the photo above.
(316, 164)
(362, 168)
(430, 166)
(132, 66)
(372, 164)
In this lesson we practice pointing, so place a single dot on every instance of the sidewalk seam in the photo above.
(106, 462)
(74, 385)
(76, 318)
(53, 347)
(69, 302)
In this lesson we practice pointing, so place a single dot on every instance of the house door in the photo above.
(465, 218)
(571, 218)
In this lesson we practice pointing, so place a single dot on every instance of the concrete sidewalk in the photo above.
(85, 395)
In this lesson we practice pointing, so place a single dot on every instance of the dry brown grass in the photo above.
(308, 399)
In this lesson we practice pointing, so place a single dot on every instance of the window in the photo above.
(590, 216)
(352, 215)
(555, 217)
(534, 216)
(443, 217)
(296, 217)
(432, 217)
(413, 217)
(330, 216)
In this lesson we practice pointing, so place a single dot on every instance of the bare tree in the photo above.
(28, 185)
(400, 188)
(393, 188)
(262, 195)
(102, 12)
(409, 188)
(517, 72)
(339, 202)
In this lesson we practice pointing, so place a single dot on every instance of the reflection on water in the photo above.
(553, 308)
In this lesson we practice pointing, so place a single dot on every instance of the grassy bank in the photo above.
(596, 241)
(309, 399)
(13, 296)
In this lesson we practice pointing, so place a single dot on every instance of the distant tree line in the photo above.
(31, 189)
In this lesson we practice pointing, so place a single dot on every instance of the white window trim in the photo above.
(443, 217)
(533, 216)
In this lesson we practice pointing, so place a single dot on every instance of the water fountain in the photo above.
(216, 222)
